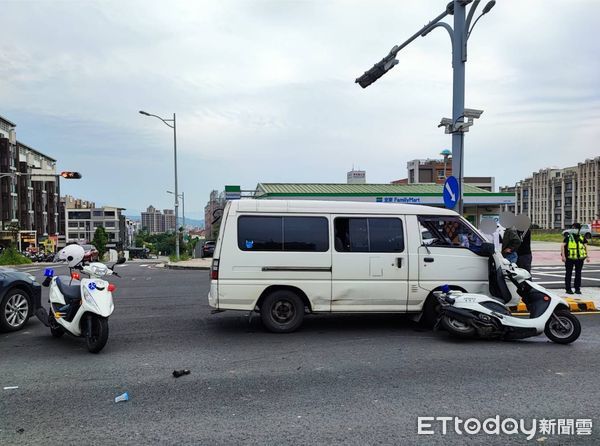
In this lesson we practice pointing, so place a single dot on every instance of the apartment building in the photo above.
(29, 187)
(556, 198)
(81, 224)
(435, 171)
(212, 209)
(157, 222)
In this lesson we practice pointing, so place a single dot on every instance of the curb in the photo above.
(575, 305)
(174, 266)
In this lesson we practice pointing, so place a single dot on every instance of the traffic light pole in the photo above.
(458, 36)
(459, 56)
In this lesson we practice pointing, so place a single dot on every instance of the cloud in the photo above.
(264, 91)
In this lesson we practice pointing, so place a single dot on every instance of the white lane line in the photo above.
(143, 265)
(562, 275)
(549, 283)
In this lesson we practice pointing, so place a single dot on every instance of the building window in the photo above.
(97, 213)
(109, 224)
(109, 213)
(73, 224)
(440, 174)
(369, 235)
(80, 215)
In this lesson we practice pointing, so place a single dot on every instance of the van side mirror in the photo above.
(487, 250)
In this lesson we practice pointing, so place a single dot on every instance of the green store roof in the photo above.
(264, 190)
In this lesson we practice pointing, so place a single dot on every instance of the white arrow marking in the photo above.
(449, 189)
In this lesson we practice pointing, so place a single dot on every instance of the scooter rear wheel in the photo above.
(457, 328)
(565, 331)
(98, 336)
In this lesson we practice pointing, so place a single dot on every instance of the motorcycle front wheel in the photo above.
(563, 327)
(97, 336)
(457, 328)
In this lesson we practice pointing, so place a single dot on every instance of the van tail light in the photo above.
(111, 287)
(75, 276)
(214, 270)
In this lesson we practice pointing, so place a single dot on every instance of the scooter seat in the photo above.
(70, 289)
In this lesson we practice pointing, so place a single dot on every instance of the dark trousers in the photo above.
(569, 264)
(524, 261)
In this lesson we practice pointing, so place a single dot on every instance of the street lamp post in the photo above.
(182, 196)
(174, 127)
(458, 37)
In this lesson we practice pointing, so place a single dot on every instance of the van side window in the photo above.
(448, 231)
(298, 234)
(368, 235)
(260, 233)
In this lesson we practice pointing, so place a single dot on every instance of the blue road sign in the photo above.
(451, 192)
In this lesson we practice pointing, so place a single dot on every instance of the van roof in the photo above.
(353, 207)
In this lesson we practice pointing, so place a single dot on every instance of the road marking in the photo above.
(549, 283)
(143, 265)
(562, 275)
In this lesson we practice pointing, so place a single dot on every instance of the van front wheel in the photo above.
(282, 311)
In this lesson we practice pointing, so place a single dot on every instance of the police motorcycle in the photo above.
(80, 306)
(469, 315)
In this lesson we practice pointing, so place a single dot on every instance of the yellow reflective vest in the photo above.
(576, 248)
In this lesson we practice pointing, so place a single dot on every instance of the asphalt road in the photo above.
(348, 379)
(553, 276)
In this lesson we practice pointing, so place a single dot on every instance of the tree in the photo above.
(100, 240)
(13, 229)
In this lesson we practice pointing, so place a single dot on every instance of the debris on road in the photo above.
(20, 430)
(11, 387)
(123, 397)
(178, 373)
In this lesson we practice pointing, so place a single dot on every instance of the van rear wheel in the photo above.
(282, 311)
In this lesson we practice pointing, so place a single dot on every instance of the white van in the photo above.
(287, 258)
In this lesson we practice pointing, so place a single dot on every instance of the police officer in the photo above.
(573, 254)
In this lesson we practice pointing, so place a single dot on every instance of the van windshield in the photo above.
(449, 232)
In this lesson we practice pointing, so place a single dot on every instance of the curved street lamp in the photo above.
(174, 127)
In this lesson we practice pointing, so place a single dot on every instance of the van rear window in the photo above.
(274, 233)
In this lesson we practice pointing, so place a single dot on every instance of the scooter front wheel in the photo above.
(457, 328)
(97, 333)
(563, 327)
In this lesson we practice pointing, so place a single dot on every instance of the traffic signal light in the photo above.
(379, 69)
(71, 175)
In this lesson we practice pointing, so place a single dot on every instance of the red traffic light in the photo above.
(71, 175)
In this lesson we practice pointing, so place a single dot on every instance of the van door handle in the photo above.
(428, 259)
(399, 262)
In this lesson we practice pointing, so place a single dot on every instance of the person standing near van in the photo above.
(510, 244)
(524, 252)
(573, 254)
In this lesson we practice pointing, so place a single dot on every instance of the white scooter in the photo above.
(470, 315)
(80, 306)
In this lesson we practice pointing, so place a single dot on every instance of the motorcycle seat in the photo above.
(70, 289)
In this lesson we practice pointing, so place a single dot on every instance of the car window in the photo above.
(449, 232)
(283, 233)
(355, 234)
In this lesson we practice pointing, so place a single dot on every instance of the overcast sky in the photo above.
(264, 91)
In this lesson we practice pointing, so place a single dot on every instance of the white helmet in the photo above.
(73, 254)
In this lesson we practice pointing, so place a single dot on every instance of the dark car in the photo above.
(20, 296)
(208, 249)
(91, 253)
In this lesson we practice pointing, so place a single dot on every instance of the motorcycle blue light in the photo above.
(48, 272)
(445, 289)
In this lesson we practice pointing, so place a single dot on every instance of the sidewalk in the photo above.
(202, 264)
(548, 253)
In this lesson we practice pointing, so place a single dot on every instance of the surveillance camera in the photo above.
(472, 113)
(445, 122)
